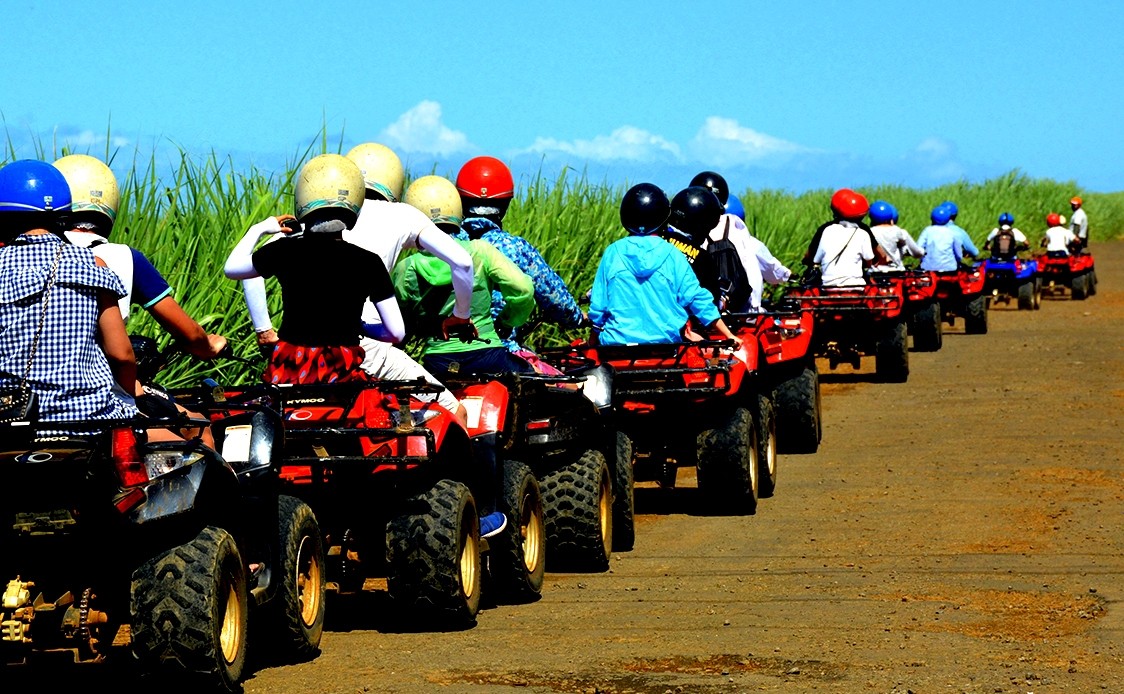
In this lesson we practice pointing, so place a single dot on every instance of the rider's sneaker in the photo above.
(492, 524)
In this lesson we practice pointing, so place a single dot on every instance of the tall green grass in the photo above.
(187, 222)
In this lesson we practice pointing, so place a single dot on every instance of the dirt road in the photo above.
(961, 532)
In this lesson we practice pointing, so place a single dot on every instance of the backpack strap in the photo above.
(726, 231)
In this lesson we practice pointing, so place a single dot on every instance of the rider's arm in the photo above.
(240, 264)
(253, 291)
(773, 271)
(551, 293)
(599, 295)
(171, 316)
(114, 342)
(515, 285)
(392, 327)
(911, 246)
(446, 248)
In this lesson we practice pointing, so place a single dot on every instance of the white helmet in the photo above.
(329, 180)
(93, 187)
(438, 198)
(382, 169)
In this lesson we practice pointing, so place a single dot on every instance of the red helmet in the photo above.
(1053, 219)
(848, 204)
(485, 177)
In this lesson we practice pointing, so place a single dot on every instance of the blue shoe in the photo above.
(492, 524)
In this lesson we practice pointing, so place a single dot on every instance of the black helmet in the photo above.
(644, 209)
(716, 184)
(695, 211)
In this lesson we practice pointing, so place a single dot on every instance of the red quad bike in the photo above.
(922, 308)
(394, 484)
(851, 322)
(546, 434)
(166, 553)
(700, 404)
(1074, 272)
(961, 293)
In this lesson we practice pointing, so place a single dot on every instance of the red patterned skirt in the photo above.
(302, 364)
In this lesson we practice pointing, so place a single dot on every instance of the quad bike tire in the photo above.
(928, 328)
(1026, 295)
(190, 607)
(1092, 283)
(1079, 287)
(433, 554)
(294, 618)
(517, 555)
(765, 419)
(624, 495)
(578, 501)
(1037, 293)
(975, 316)
(891, 354)
(796, 406)
(727, 464)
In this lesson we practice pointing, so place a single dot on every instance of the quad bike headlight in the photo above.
(598, 387)
(159, 463)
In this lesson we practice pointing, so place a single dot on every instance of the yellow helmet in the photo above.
(329, 180)
(438, 198)
(93, 187)
(381, 167)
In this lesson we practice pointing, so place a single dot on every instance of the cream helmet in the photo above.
(438, 199)
(329, 181)
(382, 169)
(93, 187)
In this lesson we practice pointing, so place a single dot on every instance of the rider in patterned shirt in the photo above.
(486, 188)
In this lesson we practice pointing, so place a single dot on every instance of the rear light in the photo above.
(127, 460)
(538, 424)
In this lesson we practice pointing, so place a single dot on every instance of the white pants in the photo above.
(383, 360)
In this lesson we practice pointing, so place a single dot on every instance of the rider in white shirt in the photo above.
(845, 245)
(894, 240)
(1058, 239)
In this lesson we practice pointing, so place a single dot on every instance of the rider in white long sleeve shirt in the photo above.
(758, 262)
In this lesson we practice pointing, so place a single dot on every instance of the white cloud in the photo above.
(420, 130)
(625, 143)
(724, 142)
(86, 139)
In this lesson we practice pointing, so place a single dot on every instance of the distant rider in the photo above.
(895, 241)
(1005, 241)
(1058, 240)
(1079, 222)
(943, 245)
(846, 245)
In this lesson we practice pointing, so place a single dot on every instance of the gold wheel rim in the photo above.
(469, 558)
(230, 635)
(309, 581)
(605, 512)
(532, 532)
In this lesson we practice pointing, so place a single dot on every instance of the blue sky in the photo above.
(794, 95)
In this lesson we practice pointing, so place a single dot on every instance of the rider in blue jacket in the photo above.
(645, 289)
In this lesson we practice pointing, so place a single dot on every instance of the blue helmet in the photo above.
(940, 215)
(882, 212)
(29, 185)
(1006, 218)
(735, 207)
(953, 210)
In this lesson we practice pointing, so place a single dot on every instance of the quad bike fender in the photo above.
(486, 404)
(786, 338)
(972, 280)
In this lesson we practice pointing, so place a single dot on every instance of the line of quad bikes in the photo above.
(176, 557)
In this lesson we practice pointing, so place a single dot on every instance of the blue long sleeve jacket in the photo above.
(644, 292)
(943, 248)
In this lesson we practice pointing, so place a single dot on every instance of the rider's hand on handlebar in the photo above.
(218, 345)
(459, 327)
